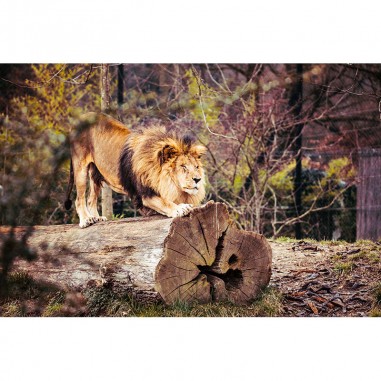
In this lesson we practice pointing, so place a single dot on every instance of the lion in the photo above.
(158, 170)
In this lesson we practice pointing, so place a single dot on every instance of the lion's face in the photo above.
(182, 176)
(189, 173)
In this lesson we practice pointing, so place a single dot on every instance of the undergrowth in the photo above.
(29, 298)
(102, 302)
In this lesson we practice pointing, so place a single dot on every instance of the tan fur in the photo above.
(160, 162)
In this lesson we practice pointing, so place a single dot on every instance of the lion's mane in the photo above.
(147, 165)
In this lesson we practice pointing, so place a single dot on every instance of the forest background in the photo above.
(285, 141)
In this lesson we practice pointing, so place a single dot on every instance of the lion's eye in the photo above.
(197, 166)
(184, 167)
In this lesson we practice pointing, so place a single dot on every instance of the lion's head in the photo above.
(181, 161)
(169, 164)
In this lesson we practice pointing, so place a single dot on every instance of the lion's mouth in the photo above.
(192, 190)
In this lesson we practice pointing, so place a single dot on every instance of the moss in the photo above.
(374, 256)
(333, 243)
(344, 267)
(364, 242)
(283, 239)
(357, 256)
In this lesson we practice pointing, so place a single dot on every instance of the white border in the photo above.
(189, 349)
(152, 31)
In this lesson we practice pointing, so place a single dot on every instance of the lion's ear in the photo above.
(168, 152)
(198, 151)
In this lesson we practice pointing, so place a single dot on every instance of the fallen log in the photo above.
(201, 257)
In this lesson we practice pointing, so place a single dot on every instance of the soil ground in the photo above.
(328, 279)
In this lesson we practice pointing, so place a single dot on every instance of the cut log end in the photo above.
(206, 258)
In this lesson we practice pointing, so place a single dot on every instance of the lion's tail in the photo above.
(68, 202)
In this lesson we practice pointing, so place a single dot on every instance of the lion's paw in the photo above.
(101, 218)
(182, 210)
(86, 222)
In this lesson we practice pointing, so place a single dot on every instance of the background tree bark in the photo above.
(107, 205)
(368, 195)
(296, 102)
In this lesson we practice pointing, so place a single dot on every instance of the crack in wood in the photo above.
(177, 267)
(203, 234)
(187, 290)
(196, 279)
(220, 247)
(176, 232)
(247, 296)
(231, 260)
(176, 251)
(232, 278)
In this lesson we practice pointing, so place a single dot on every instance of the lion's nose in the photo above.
(196, 180)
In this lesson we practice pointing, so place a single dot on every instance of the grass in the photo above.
(102, 302)
(334, 243)
(116, 217)
(364, 242)
(376, 308)
(344, 267)
(55, 305)
(377, 294)
(283, 239)
(368, 251)
(29, 298)
(375, 312)
(12, 309)
(26, 297)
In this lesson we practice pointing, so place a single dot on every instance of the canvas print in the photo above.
(223, 190)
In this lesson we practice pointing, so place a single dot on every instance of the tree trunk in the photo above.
(201, 257)
(368, 195)
(107, 210)
(120, 84)
(296, 102)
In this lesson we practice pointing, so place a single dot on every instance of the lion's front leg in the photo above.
(85, 218)
(92, 200)
(168, 208)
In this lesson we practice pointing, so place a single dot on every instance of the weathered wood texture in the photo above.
(368, 217)
(202, 257)
(207, 258)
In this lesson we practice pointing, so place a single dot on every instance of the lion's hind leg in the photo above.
(96, 180)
